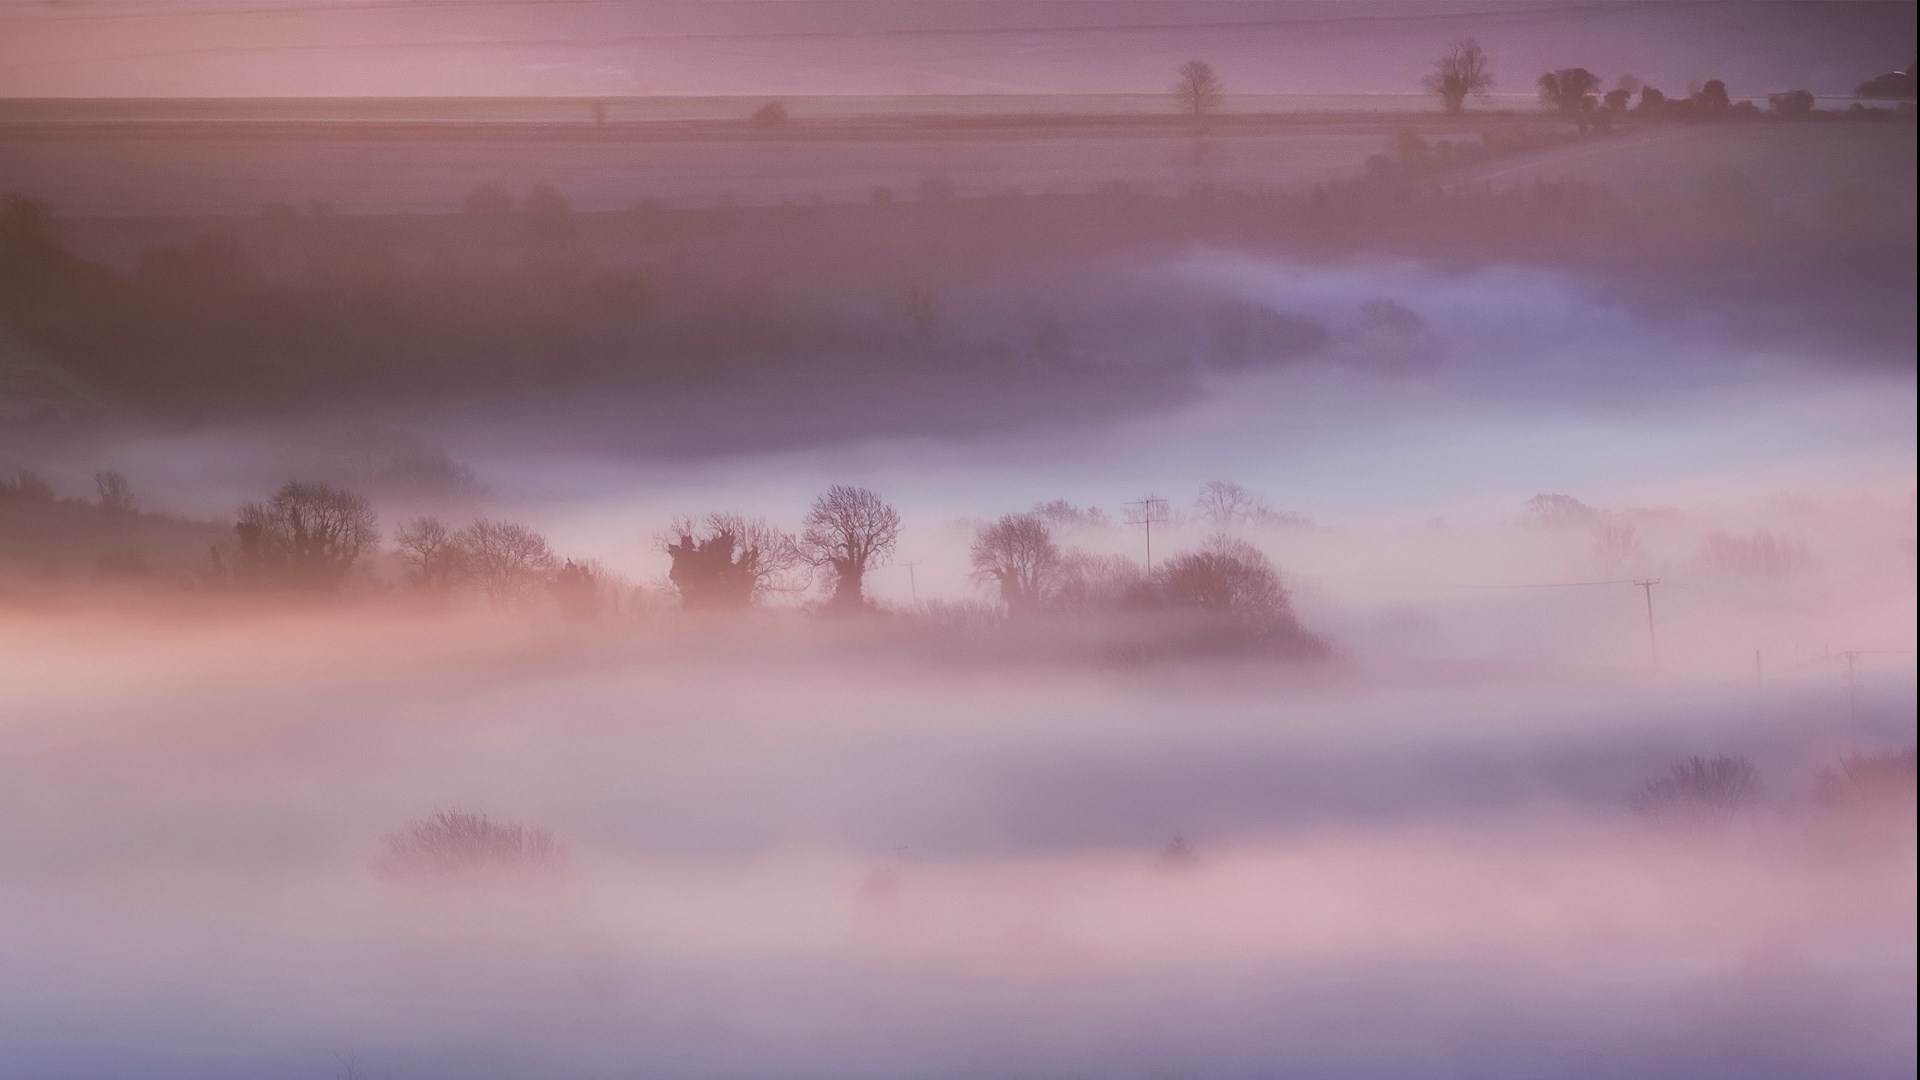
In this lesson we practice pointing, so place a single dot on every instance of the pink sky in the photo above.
(128, 48)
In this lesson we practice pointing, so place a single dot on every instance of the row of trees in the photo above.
(311, 536)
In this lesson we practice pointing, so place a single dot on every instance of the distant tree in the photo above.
(1556, 511)
(576, 591)
(1085, 583)
(727, 561)
(1894, 85)
(1761, 554)
(26, 486)
(1631, 84)
(1869, 781)
(27, 230)
(1652, 100)
(432, 554)
(1462, 73)
(1712, 97)
(505, 559)
(921, 305)
(305, 536)
(459, 842)
(488, 201)
(1225, 504)
(1017, 554)
(771, 117)
(1198, 91)
(1700, 792)
(1226, 576)
(1061, 514)
(1617, 99)
(1569, 90)
(1791, 103)
(115, 494)
(847, 531)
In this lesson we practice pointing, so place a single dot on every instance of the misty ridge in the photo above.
(1210, 594)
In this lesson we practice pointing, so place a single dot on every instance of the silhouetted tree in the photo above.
(1462, 73)
(115, 494)
(847, 531)
(1017, 553)
(1569, 90)
(1225, 576)
(1555, 511)
(1226, 504)
(431, 552)
(488, 201)
(506, 560)
(1894, 85)
(1791, 103)
(305, 536)
(729, 561)
(1198, 91)
(1652, 100)
(1713, 97)
(771, 117)
(576, 591)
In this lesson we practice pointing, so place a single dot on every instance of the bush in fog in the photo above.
(846, 532)
(1758, 554)
(26, 486)
(1018, 555)
(771, 117)
(1085, 583)
(1873, 782)
(114, 494)
(1700, 792)
(1462, 73)
(1227, 597)
(727, 561)
(305, 536)
(459, 842)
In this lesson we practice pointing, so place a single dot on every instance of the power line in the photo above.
(1152, 510)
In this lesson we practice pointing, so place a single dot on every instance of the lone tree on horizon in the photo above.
(847, 531)
(1198, 91)
(1464, 72)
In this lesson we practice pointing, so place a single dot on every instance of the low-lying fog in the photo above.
(801, 850)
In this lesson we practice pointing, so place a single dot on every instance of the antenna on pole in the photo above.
(1653, 647)
(1149, 511)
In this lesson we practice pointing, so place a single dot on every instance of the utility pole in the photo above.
(1853, 699)
(913, 587)
(1653, 646)
(1152, 510)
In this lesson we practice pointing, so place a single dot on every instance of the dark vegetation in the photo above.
(462, 844)
(950, 311)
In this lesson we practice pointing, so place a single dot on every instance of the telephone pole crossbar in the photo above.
(1148, 511)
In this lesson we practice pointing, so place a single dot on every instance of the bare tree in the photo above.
(1464, 72)
(506, 560)
(1227, 577)
(848, 530)
(116, 495)
(1198, 91)
(431, 552)
(1226, 504)
(306, 535)
(728, 561)
(1570, 90)
(1018, 554)
(921, 305)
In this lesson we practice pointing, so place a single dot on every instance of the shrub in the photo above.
(1879, 781)
(456, 842)
(1700, 791)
